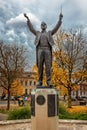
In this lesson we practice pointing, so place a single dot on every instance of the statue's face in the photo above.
(43, 26)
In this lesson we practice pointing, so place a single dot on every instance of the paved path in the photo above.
(26, 125)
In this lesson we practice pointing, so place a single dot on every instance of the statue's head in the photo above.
(43, 26)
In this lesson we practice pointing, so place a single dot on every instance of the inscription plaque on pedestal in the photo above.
(32, 105)
(40, 100)
(51, 105)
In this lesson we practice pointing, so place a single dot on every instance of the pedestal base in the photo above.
(44, 109)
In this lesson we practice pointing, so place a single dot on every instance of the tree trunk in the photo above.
(77, 94)
(69, 98)
(8, 101)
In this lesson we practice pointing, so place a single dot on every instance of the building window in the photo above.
(34, 83)
(30, 83)
(26, 83)
(21, 82)
(73, 93)
(26, 91)
(30, 91)
(29, 75)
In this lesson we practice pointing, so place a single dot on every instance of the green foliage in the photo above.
(64, 114)
(79, 116)
(22, 113)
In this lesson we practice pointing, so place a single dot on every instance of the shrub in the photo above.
(80, 116)
(63, 114)
(22, 113)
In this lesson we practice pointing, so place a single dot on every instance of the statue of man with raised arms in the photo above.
(44, 42)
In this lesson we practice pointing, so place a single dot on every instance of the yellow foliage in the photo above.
(62, 90)
(17, 89)
(35, 69)
(77, 109)
(76, 87)
(84, 77)
(77, 75)
(58, 76)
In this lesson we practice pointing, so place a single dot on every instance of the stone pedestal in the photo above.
(44, 109)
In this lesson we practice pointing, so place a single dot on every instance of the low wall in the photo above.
(26, 125)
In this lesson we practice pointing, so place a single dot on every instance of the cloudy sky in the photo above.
(13, 26)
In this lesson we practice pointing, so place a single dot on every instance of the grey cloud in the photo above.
(13, 27)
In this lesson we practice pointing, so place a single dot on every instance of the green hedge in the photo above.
(63, 114)
(79, 116)
(22, 113)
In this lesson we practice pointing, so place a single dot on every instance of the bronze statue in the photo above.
(44, 43)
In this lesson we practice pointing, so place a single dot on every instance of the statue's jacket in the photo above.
(49, 37)
(50, 41)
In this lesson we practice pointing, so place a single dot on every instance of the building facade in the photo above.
(27, 80)
(81, 92)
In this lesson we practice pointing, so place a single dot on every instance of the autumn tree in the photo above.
(68, 55)
(13, 60)
(58, 74)
(85, 66)
(17, 89)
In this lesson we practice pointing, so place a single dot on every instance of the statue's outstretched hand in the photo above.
(60, 16)
(26, 16)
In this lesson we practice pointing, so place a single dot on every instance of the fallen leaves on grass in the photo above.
(77, 109)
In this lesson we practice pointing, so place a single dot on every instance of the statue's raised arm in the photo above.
(30, 26)
(54, 30)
